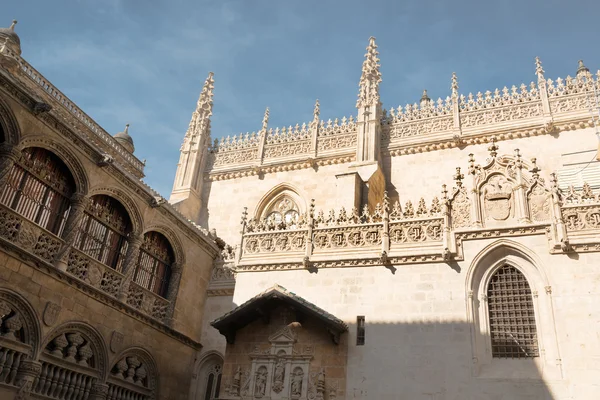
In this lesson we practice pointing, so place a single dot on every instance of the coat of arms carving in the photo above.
(497, 194)
(116, 340)
(51, 313)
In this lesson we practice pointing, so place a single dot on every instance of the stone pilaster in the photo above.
(99, 391)
(28, 371)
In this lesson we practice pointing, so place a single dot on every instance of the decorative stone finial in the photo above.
(582, 70)
(458, 177)
(425, 100)
(9, 40)
(200, 121)
(454, 85)
(444, 192)
(535, 171)
(265, 121)
(125, 139)
(370, 78)
(539, 71)
(493, 149)
(317, 110)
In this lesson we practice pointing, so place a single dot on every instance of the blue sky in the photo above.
(143, 62)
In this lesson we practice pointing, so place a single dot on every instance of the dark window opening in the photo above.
(360, 330)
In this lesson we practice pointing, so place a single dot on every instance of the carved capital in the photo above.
(99, 391)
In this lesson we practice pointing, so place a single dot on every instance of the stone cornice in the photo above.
(50, 270)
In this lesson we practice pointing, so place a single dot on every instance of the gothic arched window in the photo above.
(213, 382)
(39, 187)
(104, 230)
(511, 315)
(153, 268)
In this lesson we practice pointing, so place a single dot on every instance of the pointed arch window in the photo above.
(39, 187)
(213, 382)
(511, 315)
(153, 268)
(104, 231)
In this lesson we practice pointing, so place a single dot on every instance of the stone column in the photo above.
(9, 154)
(78, 204)
(28, 371)
(173, 290)
(129, 263)
(99, 391)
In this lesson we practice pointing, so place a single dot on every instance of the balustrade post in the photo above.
(262, 137)
(78, 204)
(9, 154)
(129, 264)
(173, 290)
(456, 127)
(27, 373)
(314, 128)
(99, 391)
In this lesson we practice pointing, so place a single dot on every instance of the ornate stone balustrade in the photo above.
(94, 273)
(533, 109)
(27, 235)
(94, 132)
(147, 302)
(35, 240)
(12, 354)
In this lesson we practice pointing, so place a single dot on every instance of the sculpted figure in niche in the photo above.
(260, 383)
(297, 378)
(497, 193)
(278, 375)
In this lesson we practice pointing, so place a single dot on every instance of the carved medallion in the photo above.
(51, 313)
(497, 196)
(116, 340)
(94, 275)
(592, 218)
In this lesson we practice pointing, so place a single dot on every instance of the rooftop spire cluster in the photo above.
(370, 77)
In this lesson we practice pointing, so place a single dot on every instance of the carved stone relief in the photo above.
(497, 198)
(51, 313)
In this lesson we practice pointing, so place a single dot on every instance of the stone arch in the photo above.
(132, 370)
(66, 156)
(277, 193)
(202, 367)
(483, 267)
(11, 304)
(133, 210)
(173, 240)
(92, 338)
(9, 125)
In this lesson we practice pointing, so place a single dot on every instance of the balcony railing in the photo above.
(34, 239)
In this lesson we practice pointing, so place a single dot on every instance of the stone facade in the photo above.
(103, 284)
(464, 232)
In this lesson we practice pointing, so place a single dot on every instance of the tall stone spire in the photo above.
(371, 77)
(368, 130)
(187, 188)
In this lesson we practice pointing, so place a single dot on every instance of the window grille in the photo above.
(511, 313)
(360, 330)
(104, 230)
(153, 268)
(39, 187)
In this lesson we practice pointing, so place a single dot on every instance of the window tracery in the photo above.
(213, 382)
(283, 209)
(153, 268)
(39, 187)
(104, 231)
